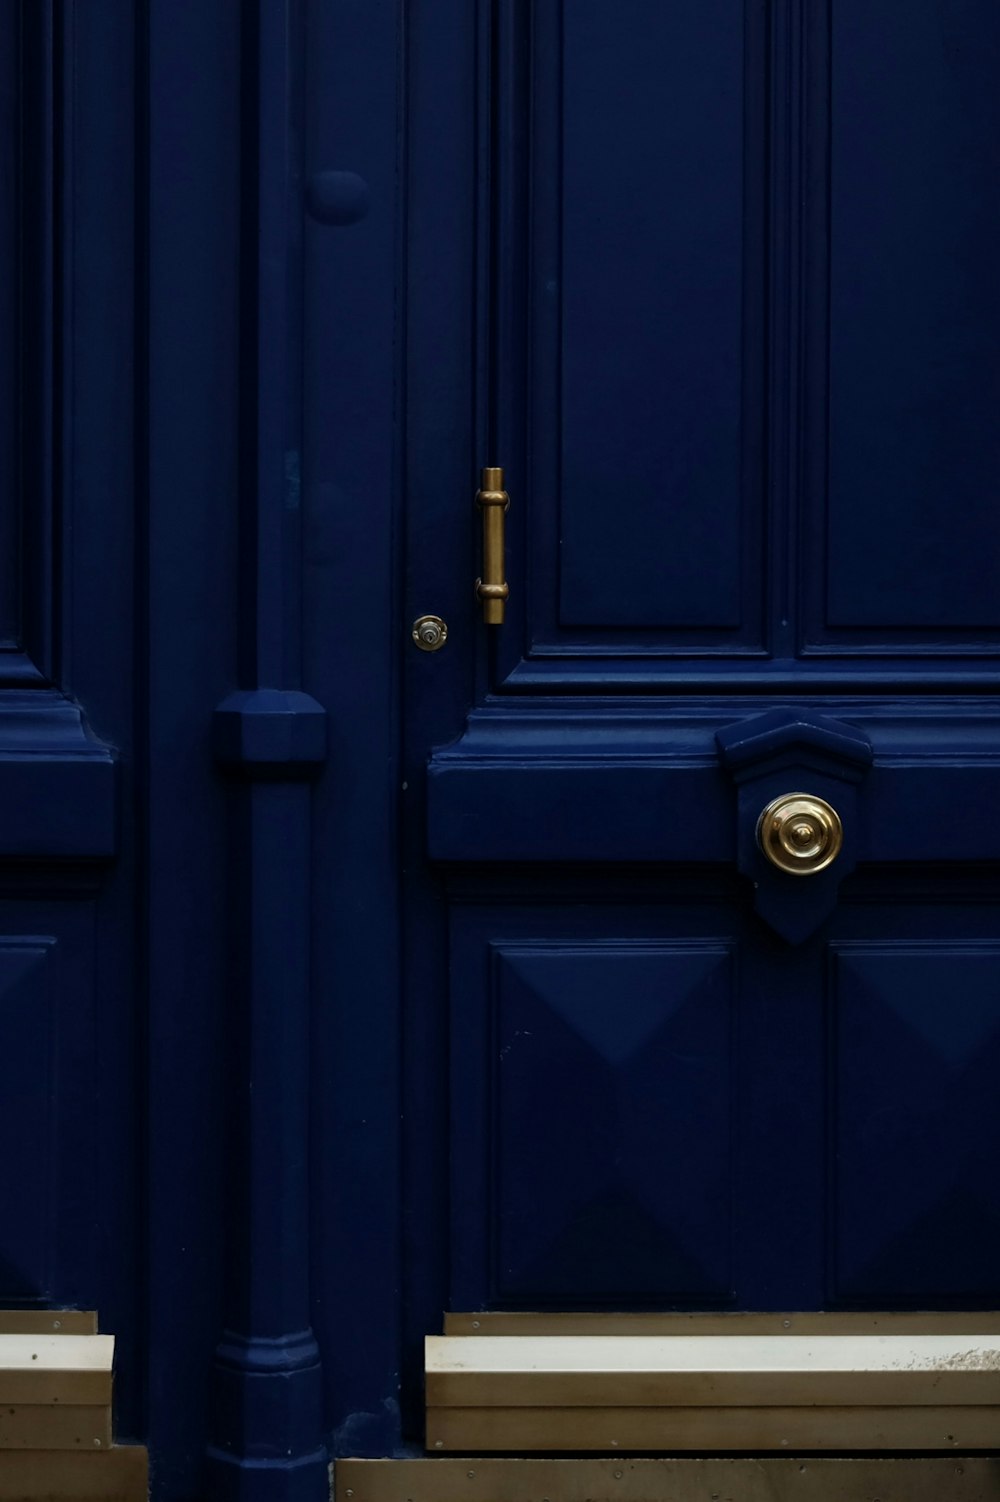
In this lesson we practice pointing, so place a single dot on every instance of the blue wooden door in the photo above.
(715, 282)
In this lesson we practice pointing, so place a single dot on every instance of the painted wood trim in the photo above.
(684, 1370)
(737, 1322)
(777, 1428)
(954, 1478)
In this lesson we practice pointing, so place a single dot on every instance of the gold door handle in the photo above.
(494, 503)
(800, 834)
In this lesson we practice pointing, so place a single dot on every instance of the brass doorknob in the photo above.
(800, 833)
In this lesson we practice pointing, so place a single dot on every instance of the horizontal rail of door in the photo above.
(612, 810)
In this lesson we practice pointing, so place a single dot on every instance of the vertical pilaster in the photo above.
(267, 1428)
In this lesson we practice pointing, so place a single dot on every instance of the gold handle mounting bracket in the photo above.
(494, 503)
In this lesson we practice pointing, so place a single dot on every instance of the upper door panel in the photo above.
(629, 282)
(638, 429)
(744, 341)
(913, 539)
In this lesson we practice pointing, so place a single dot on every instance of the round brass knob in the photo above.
(800, 834)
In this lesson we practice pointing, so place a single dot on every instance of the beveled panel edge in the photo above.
(953, 1478)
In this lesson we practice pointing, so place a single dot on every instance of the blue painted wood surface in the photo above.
(731, 364)
(342, 983)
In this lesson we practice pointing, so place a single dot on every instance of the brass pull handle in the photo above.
(800, 834)
(494, 503)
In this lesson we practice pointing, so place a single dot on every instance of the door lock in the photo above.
(800, 833)
(429, 633)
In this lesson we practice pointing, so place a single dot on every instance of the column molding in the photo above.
(267, 1429)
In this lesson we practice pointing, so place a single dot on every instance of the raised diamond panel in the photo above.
(612, 1122)
(916, 1033)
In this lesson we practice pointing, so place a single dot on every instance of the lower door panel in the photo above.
(657, 1104)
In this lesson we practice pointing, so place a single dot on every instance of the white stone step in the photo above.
(713, 1392)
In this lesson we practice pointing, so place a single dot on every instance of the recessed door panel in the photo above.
(630, 300)
(914, 320)
(651, 310)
